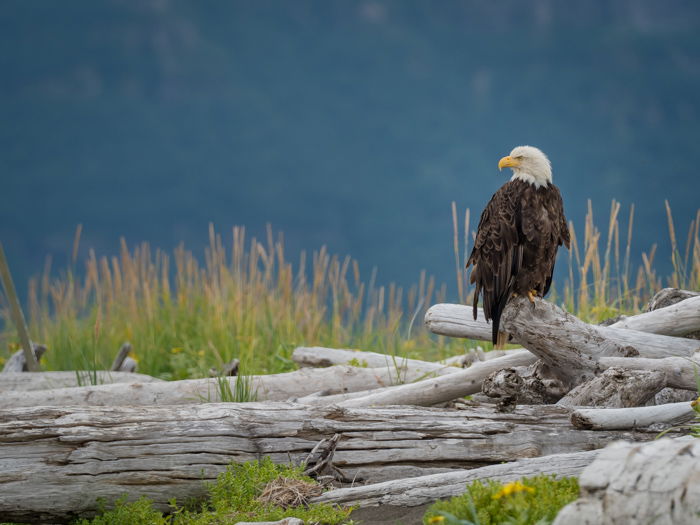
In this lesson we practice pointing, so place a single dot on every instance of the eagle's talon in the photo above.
(531, 294)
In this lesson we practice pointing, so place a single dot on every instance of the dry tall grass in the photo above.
(250, 302)
(601, 280)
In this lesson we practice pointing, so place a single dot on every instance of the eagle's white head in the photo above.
(529, 164)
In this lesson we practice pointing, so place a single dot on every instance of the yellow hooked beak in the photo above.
(508, 162)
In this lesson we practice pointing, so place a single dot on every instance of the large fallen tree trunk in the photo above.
(441, 389)
(277, 387)
(455, 320)
(570, 347)
(656, 482)
(320, 356)
(411, 492)
(25, 381)
(678, 319)
(616, 387)
(632, 417)
(56, 462)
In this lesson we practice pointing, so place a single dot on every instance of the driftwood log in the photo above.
(616, 387)
(570, 348)
(25, 381)
(320, 356)
(455, 320)
(56, 462)
(440, 389)
(18, 362)
(634, 417)
(668, 296)
(277, 387)
(657, 482)
(411, 492)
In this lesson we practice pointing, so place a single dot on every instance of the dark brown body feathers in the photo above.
(516, 245)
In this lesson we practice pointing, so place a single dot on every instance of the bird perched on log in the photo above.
(519, 233)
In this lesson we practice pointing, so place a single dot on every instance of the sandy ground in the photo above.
(390, 515)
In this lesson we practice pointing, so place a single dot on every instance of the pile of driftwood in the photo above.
(401, 433)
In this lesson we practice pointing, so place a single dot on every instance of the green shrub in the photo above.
(235, 496)
(528, 501)
(139, 512)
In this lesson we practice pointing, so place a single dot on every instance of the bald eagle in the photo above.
(519, 233)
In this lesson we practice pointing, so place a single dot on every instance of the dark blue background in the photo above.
(347, 123)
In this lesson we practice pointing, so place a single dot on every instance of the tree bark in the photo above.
(411, 492)
(277, 387)
(616, 388)
(657, 482)
(679, 371)
(668, 297)
(57, 461)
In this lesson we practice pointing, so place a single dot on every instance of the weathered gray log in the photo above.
(441, 389)
(616, 388)
(277, 387)
(668, 297)
(521, 319)
(636, 417)
(678, 319)
(679, 371)
(23, 382)
(525, 385)
(571, 347)
(18, 362)
(674, 395)
(320, 356)
(657, 482)
(122, 354)
(57, 461)
(411, 492)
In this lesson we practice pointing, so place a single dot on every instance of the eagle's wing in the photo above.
(498, 254)
(557, 230)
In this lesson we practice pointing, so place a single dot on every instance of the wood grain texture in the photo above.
(411, 492)
(29, 381)
(277, 387)
(634, 417)
(56, 461)
(616, 388)
(657, 482)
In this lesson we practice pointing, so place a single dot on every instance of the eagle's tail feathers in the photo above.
(501, 340)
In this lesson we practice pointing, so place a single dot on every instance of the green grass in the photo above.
(530, 501)
(237, 495)
(248, 301)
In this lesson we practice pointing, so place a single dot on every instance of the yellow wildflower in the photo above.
(176, 350)
(512, 488)
(200, 353)
(2, 360)
(436, 519)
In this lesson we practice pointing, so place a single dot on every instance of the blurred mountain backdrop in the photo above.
(347, 123)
